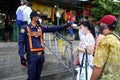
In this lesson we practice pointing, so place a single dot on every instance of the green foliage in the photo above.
(103, 7)
(118, 29)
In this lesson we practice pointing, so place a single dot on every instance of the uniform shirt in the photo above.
(108, 54)
(26, 13)
(23, 37)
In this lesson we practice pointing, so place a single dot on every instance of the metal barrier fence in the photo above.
(61, 48)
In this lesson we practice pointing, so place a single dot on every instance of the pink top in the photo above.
(100, 36)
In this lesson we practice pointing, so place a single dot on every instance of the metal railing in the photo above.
(62, 49)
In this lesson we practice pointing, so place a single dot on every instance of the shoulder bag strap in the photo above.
(114, 35)
(24, 9)
(86, 64)
(81, 65)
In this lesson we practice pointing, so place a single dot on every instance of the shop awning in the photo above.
(13, 4)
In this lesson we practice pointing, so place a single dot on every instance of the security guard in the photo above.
(31, 42)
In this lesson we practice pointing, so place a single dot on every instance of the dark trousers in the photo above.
(35, 65)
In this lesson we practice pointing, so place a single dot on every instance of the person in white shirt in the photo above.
(26, 12)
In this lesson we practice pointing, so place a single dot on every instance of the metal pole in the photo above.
(83, 8)
(83, 11)
(57, 10)
(73, 68)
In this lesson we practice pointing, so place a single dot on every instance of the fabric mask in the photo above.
(101, 28)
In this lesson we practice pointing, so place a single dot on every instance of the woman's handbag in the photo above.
(85, 72)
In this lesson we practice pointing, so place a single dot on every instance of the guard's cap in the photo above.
(34, 13)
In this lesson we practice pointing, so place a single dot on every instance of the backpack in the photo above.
(19, 17)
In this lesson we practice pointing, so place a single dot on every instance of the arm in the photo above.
(21, 45)
(76, 27)
(96, 73)
(21, 42)
(100, 58)
(17, 10)
(88, 43)
(55, 28)
(9, 20)
(89, 49)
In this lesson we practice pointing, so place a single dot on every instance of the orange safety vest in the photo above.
(30, 35)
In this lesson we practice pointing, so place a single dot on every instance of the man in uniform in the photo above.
(31, 42)
(107, 56)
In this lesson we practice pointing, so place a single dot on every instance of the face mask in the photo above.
(82, 31)
(101, 28)
(39, 21)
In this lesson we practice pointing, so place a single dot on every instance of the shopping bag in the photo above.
(83, 73)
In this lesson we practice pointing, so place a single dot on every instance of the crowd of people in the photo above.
(103, 54)
(102, 50)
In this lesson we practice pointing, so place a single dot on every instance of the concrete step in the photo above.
(62, 75)
(51, 71)
(11, 69)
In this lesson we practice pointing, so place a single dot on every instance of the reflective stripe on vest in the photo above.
(30, 34)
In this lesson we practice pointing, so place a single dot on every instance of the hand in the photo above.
(69, 23)
(74, 51)
(23, 61)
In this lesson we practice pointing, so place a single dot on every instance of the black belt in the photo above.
(36, 53)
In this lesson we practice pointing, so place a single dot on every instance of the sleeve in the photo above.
(17, 10)
(21, 42)
(102, 53)
(29, 10)
(54, 28)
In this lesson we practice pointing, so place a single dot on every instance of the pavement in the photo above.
(10, 68)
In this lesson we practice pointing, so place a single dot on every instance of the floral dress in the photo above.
(87, 41)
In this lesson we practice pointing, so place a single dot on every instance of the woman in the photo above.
(8, 27)
(86, 43)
